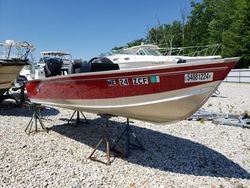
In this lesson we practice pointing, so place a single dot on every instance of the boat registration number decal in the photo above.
(140, 80)
(123, 82)
(111, 82)
(198, 77)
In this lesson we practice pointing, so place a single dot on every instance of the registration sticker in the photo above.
(140, 80)
(154, 79)
(198, 77)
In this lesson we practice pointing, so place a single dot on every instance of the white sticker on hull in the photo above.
(140, 80)
(198, 77)
(111, 82)
(123, 82)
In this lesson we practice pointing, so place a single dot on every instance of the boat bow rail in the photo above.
(192, 51)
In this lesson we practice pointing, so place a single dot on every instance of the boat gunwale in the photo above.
(136, 75)
(139, 70)
(12, 62)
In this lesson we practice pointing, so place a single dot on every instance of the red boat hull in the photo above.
(157, 94)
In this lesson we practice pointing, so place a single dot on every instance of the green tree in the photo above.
(223, 11)
(221, 21)
(245, 34)
(136, 42)
(226, 22)
(166, 35)
(198, 22)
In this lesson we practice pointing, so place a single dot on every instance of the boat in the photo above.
(56, 56)
(150, 55)
(37, 70)
(160, 94)
(14, 56)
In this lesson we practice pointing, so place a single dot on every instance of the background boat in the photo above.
(152, 55)
(14, 56)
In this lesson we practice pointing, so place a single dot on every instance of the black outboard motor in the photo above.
(53, 67)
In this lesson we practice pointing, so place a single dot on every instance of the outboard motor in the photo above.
(53, 67)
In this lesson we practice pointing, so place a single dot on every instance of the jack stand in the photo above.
(36, 116)
(106, 139)
(78, 121)
(128, 145)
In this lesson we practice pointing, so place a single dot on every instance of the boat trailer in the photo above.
(242, 120)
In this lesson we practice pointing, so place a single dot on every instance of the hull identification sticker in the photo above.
(198, 77)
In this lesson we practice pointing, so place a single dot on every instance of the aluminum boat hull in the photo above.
(164, 96)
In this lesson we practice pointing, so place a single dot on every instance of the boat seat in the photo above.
(76, 66)
(94, 65)
(86, 67)
(102, 64)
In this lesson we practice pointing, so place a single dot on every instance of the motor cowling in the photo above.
(53, 67)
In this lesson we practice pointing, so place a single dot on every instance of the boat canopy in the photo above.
(17, 44)
(15, 49)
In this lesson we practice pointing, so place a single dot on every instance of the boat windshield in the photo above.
(139, 50)
(151, 51)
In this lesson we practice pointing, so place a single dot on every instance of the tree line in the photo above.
(225, 22)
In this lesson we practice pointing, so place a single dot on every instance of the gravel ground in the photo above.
(183, 154)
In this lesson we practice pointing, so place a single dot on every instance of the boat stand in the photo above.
(127, 132)
(78, 120)
(36, 117)
(106, 139)
(127, 145)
